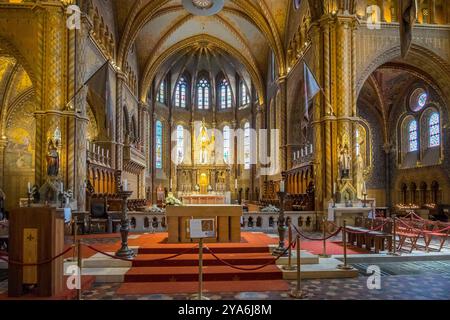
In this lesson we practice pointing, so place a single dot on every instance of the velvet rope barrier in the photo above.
(319, 239)
(249, 269)
(131, 260)
(412, 228)
(38, 263)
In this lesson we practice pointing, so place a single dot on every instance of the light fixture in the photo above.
(203, 7)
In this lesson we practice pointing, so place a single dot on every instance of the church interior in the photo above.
(280, 149)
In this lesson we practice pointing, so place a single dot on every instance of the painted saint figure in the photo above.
(52, 160)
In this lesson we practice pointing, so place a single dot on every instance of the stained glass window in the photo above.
(203, 94)
(181, 93)
(226, 144)
(159, 145)
(180, 144)
(435, 130)
(162, 92)
(225, 95)
(247, 146)
(422, 101)
(413, 136)
(245, 98)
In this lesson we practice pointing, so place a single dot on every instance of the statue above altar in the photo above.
(206, 144)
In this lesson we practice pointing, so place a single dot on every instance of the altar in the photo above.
(227, 217)
(204, 199)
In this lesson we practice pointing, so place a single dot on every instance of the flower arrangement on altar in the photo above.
(155, 209)
(172, 201)
(270, 208)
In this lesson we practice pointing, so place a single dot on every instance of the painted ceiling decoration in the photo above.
(203, 7)
(156, 30)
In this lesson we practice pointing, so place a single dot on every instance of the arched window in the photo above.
(159, 145)
(181, 93)
(162, 92)
(434, 128)
(245, 97)
(413, 136)
(225, 95)
(226, 144)
(180, 144)
(418, 100)
(203, 94)
(247, 147)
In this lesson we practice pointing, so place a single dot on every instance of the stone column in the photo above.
(3, 144)
(121, 82)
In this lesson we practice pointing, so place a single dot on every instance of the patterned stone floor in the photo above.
(403, 287)
(428, 280)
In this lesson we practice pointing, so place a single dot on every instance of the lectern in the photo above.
(36, 235)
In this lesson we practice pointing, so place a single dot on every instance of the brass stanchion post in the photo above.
(200, 296)
(324, 253)
(297, 293)
(345, 266)
(289, 267)
(80, 266)
(394, 236)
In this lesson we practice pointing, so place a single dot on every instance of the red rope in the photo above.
(320, 239)
(131, 260)
(250, 269)
(38, 263)
(412, 228)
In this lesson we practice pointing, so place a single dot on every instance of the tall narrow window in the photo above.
(180, 144)
(434, 128)
(225, 95)
(181, 93)
(162, 92)
(159, 145)
(245, 97)
(226, 144)
(247, 146)
(413, 136)
(203, 94)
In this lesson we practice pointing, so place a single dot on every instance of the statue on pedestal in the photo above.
(205, 142)
(52, 160)
(345, 161)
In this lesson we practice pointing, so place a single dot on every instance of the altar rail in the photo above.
(252, 221)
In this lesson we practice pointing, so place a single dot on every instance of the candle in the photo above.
(236, 183)
(334, 187)
(298, 154)
(364, 188)
(282, 186)
(125, 185)
(311, 147)
(302, 153)
(295, 156)
(62, 187)
(29, 187)
(171, 183)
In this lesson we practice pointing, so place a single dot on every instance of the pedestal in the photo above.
(36, 235)
(282, 228)
(124, 251)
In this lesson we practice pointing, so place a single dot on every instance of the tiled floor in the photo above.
(403, 287)
(400, 281)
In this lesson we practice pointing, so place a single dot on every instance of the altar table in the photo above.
(228, 221)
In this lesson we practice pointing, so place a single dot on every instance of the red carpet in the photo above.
(143, 288)
(316, 247)
(180, 274)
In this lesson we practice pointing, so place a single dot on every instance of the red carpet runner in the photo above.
(180, 275)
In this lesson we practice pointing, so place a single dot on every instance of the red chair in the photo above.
(439, 230)
(409, 230)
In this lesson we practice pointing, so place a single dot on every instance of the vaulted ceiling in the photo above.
(154, 30)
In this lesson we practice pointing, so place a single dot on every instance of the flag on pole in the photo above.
(407, 18)
(311, 87)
